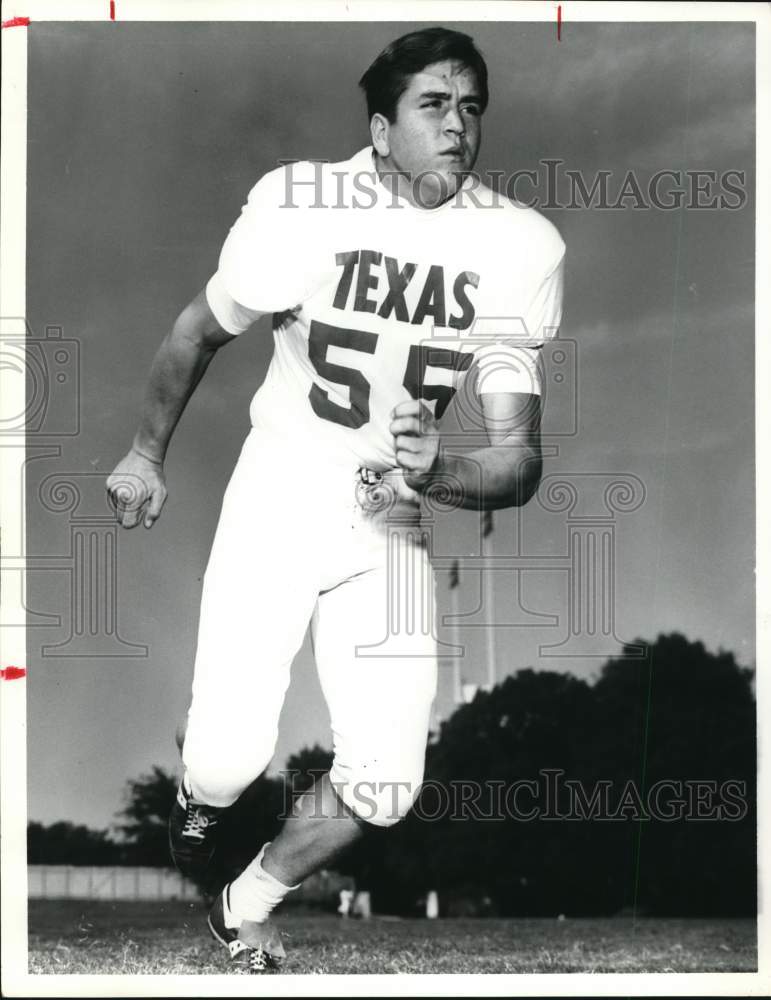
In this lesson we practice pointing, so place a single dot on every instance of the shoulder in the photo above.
(545, 239)
(276, 187)
(301, 184)
(517, 224)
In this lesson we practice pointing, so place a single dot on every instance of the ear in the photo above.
(379, 127)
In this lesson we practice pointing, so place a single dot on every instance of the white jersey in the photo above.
(375, 301)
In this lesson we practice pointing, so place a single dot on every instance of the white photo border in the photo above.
(16, 979)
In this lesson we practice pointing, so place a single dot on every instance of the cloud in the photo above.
(629, 95)
(718, 136)
(704, 324)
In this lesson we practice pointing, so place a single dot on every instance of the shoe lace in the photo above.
(258, 960)
(197, 820)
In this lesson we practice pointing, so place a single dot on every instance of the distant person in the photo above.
(346, 898)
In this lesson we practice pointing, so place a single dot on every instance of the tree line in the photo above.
(547, 795)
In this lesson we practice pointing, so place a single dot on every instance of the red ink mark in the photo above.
(16, 22)
(12, 673)
(559, 22)
(112, 10)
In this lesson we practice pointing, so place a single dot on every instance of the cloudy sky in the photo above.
(143, 142)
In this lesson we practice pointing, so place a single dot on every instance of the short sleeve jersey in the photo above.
(376, 301)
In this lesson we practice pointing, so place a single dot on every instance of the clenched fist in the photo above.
(416, 442)
(137, 489)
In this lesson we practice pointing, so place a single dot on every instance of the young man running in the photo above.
(392, 278)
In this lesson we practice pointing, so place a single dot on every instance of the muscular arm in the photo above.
(504, 473)
(137, 487)
(178, 367)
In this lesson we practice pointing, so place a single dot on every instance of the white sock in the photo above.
(254, 894)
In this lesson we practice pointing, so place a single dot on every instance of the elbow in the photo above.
(526, 481)
(532, 480)
(521, 496)
(188, 329)
(527, 495)
(197, 327)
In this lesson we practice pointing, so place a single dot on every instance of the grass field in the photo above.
(128, 938)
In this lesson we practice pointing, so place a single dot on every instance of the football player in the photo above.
(392, 278)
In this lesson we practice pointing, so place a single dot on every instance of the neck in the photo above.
(394, 179)
(399, 182)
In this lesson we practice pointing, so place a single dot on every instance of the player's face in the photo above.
(435, 138)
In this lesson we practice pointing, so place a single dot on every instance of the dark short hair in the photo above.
(388, 77)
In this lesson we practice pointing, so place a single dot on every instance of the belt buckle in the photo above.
(374, 493)
(369, 477)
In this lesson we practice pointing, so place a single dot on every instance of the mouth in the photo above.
(456, 152)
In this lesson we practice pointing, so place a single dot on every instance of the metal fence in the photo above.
(107, 882)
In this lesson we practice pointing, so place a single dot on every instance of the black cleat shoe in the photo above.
(255, 947)
(192, 833)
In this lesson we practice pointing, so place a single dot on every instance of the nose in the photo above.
(454, 123)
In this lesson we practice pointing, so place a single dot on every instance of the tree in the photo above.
(66, 843)
(682, 714)
(305, 766)
(687, 716)
(148, 799)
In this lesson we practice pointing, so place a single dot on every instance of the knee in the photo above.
(214, 784)
(217, 774)
(381, 801)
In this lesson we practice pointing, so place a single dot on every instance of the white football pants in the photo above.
(301, 540)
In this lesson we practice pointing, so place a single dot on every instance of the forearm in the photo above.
(504, 475)
(177, 369)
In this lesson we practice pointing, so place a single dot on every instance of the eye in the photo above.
(471, 109)
(435, 103)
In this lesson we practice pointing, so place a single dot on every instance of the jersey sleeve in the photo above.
(513, 362)
(231, 316)
(269, 261)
